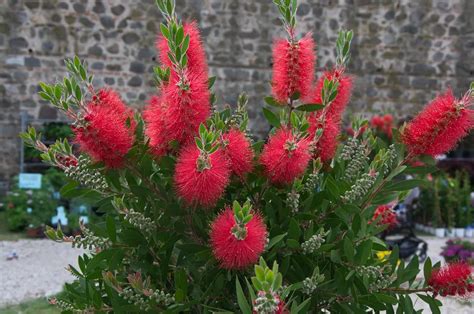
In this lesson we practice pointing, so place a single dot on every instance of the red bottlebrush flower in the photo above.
(284, 157)
(383, 124)
(177, 114)
(197, 64)
(344, 90)
(293, 68)
(106, 137)
(156, 127)
(452, 279)
(439, 127)
(231, 252)
(204, 187)
(238, 151)
(326, 146)
(186, 109)
(387, 216)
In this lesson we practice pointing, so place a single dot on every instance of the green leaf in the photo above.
(310, 107)
(275, 240)
(271, 118)
(181, 284)
(272, 101)
(363, 252)
(427, 268)
(348, 249)
(433, 303)
(211, 81)
(294, 230)
(404, 185)
(241, 299)
(111, 229)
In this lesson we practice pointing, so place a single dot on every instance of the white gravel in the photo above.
(39, 270)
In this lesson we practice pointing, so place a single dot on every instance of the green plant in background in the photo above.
(33, 208)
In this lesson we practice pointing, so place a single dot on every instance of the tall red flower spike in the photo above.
(238, 151)
(293, 68)
(106, 137)
(387, 216)
(231, 252)
(202, 188)
(177, 114)
(284, 157)
(344, 90)
(439, 127)
(326, 146)
(452, 279)
(197, 64)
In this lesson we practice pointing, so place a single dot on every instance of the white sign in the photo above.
(30, 181)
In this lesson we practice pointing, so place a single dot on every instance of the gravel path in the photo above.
(38, 271)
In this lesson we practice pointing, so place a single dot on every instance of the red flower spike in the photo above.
(106, 138)
(440, 126)
(387, 216)
(238, 151)
(344, 90)
(177, 114)
(293, 68)
(383, 124)
(156, 127)
(452, 279)
(197, 64)
(327, 144)
(284, 157)
(231, 252)
(203, 188)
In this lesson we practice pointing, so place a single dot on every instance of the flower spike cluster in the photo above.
(285, 157)
(238, 237)
(453, 279)
(183, 102)
(439, 127)
(106, 136)
(331, 125)
(385, 216)
(238, 151)
(201, 180)
(293, 68)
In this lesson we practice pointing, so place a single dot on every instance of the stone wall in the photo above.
(404, 51)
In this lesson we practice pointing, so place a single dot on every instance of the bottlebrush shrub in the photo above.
(196, 210)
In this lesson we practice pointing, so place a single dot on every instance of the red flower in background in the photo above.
(106, 136)
(231, 252)
(293, 68)
(452, 279)
(197, 64)
(284, 157)
(238, 151)
(326, 146)
(204, 187)
(344, 90)
(439, 127)
(383, 124)
(387, 216)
